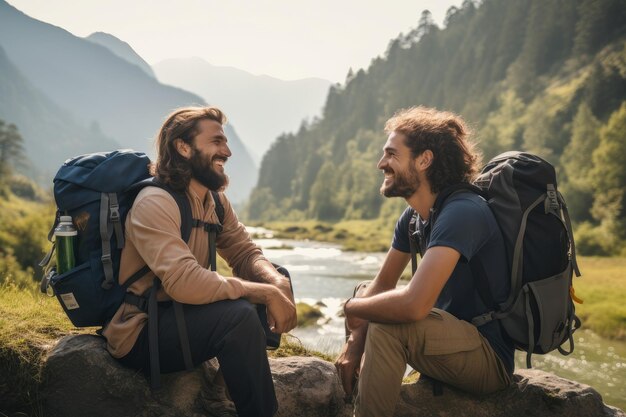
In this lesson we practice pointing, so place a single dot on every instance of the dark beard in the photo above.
(403, 185)
(205, 174)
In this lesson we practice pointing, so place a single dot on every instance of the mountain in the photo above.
(545, 76)
(101, 91)
(121, 49)
(50, 133)
(261, 107)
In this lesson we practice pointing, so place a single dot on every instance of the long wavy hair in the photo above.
(171, 168)
(455, 158)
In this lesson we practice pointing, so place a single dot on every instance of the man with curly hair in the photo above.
(221, 320)
(426, 323)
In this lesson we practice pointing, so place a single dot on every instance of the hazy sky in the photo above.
(287, 39)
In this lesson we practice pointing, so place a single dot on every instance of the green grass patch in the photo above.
(30, 324)
(290, 345)
(602, 288)
(352, 235)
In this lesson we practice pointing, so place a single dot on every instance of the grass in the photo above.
(30, 325)
(352, 235)
(602, 288)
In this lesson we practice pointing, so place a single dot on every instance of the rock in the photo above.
(307, 387)
(534, 393)
(79, 378)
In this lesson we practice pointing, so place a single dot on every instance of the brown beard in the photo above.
(203, 171)
(403, 185)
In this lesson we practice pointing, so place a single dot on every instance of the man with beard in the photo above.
(221, 320)
(426, 323)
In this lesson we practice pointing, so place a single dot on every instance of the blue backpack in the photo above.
(98, 190)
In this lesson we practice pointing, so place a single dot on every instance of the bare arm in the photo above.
(414, 301)
(263, 271)
(349, 359)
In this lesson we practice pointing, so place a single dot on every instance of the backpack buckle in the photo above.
(106, 259)
(115, 213)
(212, 227)
(483, 319)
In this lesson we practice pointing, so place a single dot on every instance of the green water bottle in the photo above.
(64, 236)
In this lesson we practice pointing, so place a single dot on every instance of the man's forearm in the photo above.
(263, 271)
(387, 307)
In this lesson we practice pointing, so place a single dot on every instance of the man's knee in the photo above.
(244, 314)
(381, 332)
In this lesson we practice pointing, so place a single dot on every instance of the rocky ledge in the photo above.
(81, 379)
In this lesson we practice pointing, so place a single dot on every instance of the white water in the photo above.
(323, 273)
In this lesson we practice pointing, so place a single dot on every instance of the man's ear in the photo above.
(183, 148)
(425, 160)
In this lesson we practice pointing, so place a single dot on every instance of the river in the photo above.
(323, 274)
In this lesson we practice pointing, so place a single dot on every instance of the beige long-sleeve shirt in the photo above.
(153, 238)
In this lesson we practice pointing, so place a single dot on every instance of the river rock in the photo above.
(79, 378)
(533, 393)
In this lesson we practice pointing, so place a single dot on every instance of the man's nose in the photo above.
(227, 151)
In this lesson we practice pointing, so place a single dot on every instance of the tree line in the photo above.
(544, 76)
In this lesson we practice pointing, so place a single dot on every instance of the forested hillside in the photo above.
(545, 76)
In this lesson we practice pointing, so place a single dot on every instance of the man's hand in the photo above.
(281, 311)
(349, 361)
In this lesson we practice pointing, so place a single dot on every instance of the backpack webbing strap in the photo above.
(182, 334)
(219, 207)
(568, 226)
(46, 259)
(573, 325)
(105, 236)
(153, 336)
(135, 277)
(116, 219)
(214, 230)
(413, 242)
(517, 264)
(531, 328)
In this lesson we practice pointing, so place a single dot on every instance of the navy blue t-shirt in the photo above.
(467, 225)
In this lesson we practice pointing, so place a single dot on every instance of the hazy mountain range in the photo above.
(121, 49)
(262, 107)
(69, 95)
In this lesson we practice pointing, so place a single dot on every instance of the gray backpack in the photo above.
(521, 191)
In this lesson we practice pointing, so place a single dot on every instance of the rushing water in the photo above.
(323, 274)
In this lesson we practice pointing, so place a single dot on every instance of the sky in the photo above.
(286, 39)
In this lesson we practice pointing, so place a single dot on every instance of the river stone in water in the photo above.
(81, 379)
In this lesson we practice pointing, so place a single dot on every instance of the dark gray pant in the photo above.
(229, 330)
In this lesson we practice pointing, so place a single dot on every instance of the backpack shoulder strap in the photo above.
(413, 242)
(219, 207)
(186, 220)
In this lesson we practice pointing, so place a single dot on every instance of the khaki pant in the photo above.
(440, 346)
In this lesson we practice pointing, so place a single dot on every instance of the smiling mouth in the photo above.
(219, 162)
